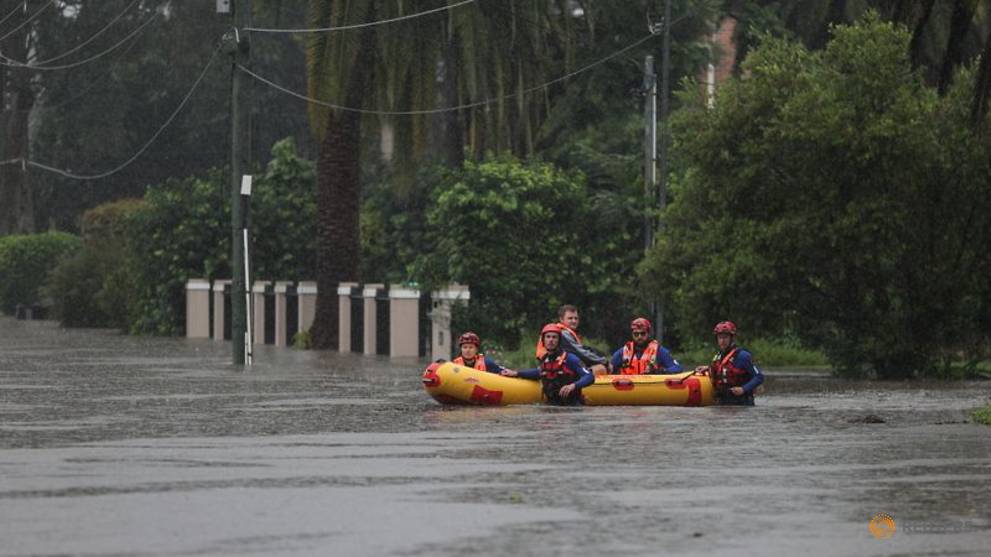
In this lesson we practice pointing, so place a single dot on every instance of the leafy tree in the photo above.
(516, 233)
(183, 232)
(834, 195)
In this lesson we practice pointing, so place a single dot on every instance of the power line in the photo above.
(361, 25)
(448, 108)
(144, 148)
(129, 36)
(87, 41)
(14, 11)
(30, 19)
(94, 82)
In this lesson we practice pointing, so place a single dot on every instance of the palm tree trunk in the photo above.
(338, 206)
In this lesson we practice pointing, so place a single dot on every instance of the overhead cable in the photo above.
(30, 19)
(144, 148)
(360, 25)
(89, 40)
(447, 108)
(129, 36)
(18, 8)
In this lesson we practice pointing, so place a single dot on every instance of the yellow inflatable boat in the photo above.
(450, 383)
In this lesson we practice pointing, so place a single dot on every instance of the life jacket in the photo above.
(725, 375)
(646, 363)
(554, 375)
(479, 362)
(540, 341)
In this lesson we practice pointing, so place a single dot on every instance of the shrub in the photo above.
(512, 231)
(25, 263)
(92, 288)
(184, 231)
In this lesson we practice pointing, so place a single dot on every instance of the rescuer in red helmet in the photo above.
(561, 373)
(733, 371)
(470, 344)
(643, 354)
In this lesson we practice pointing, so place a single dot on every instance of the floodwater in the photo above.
(115, 445)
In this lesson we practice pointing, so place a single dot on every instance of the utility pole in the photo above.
(240, 129)
(649, 148)
(663, 154)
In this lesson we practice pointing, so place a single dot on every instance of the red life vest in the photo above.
(540, 341)
(646, 363)
(552, 368)
(725, 374)
(479, 362)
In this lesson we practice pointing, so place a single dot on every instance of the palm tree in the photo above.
(480, 51)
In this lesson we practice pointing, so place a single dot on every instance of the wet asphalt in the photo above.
(116, 445)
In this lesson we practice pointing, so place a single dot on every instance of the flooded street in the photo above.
(115, 445)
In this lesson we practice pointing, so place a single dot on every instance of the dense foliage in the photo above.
(521, 235)
(833, 195)
(93, 287)
(138, 255)
(25, 262)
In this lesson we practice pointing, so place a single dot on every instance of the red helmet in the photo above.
(641, 324)
(550, 328)
(727, 327)
(470, 338)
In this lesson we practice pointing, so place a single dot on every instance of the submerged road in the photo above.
(116, 445)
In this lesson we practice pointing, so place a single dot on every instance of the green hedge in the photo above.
(25, 263)
(92, 288)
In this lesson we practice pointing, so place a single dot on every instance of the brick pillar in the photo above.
(258, 310)
(371, 317)
(218, 307)
(440, 318)
(280, 311)
(197, 308)
(306, 293)
(404, 321)
(344, 292)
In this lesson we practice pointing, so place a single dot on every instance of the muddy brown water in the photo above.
(115, 445)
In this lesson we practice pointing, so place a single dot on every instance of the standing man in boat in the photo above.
(571, 342)
(643, 354)
(733, 371)
(470, 344)
(561, 373)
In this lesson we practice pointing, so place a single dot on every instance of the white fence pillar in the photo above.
(404, 321)
(440, 318)
(197, 308)
(369, 294)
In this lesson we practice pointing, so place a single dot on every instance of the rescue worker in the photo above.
(470, 344)
(733, 371)
(643, 354)
(571, 341)
(561, 373)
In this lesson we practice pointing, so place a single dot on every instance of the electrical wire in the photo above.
(129, 36)
(144, 148)
(449, 108)
(360, 25)
(89, 40)
(94, 82)
(30, 19)
(19, 7)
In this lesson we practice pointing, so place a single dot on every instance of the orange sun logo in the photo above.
(882, 526)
